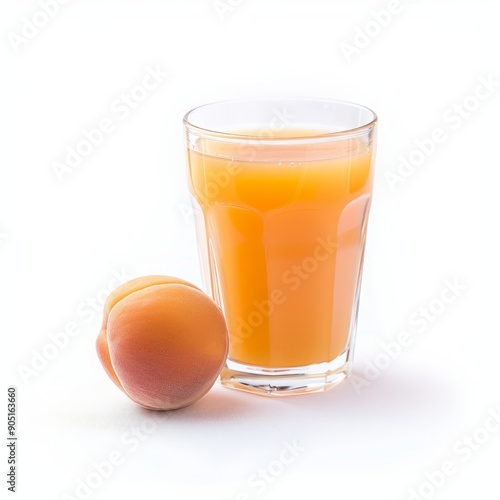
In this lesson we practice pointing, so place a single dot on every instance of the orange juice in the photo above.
(285, 233)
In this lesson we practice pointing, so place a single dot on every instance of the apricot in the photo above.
(163, 341)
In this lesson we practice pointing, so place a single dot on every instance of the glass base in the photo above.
(286, 381)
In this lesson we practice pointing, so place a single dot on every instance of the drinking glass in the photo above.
(281, 190)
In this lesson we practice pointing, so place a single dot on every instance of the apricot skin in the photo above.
(163, 342)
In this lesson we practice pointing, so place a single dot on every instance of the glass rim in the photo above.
(253, 138)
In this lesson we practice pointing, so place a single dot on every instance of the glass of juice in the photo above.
(281, 191)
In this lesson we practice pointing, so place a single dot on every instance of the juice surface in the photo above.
(285, 233)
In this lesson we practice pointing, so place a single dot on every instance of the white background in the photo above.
(124, 210)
